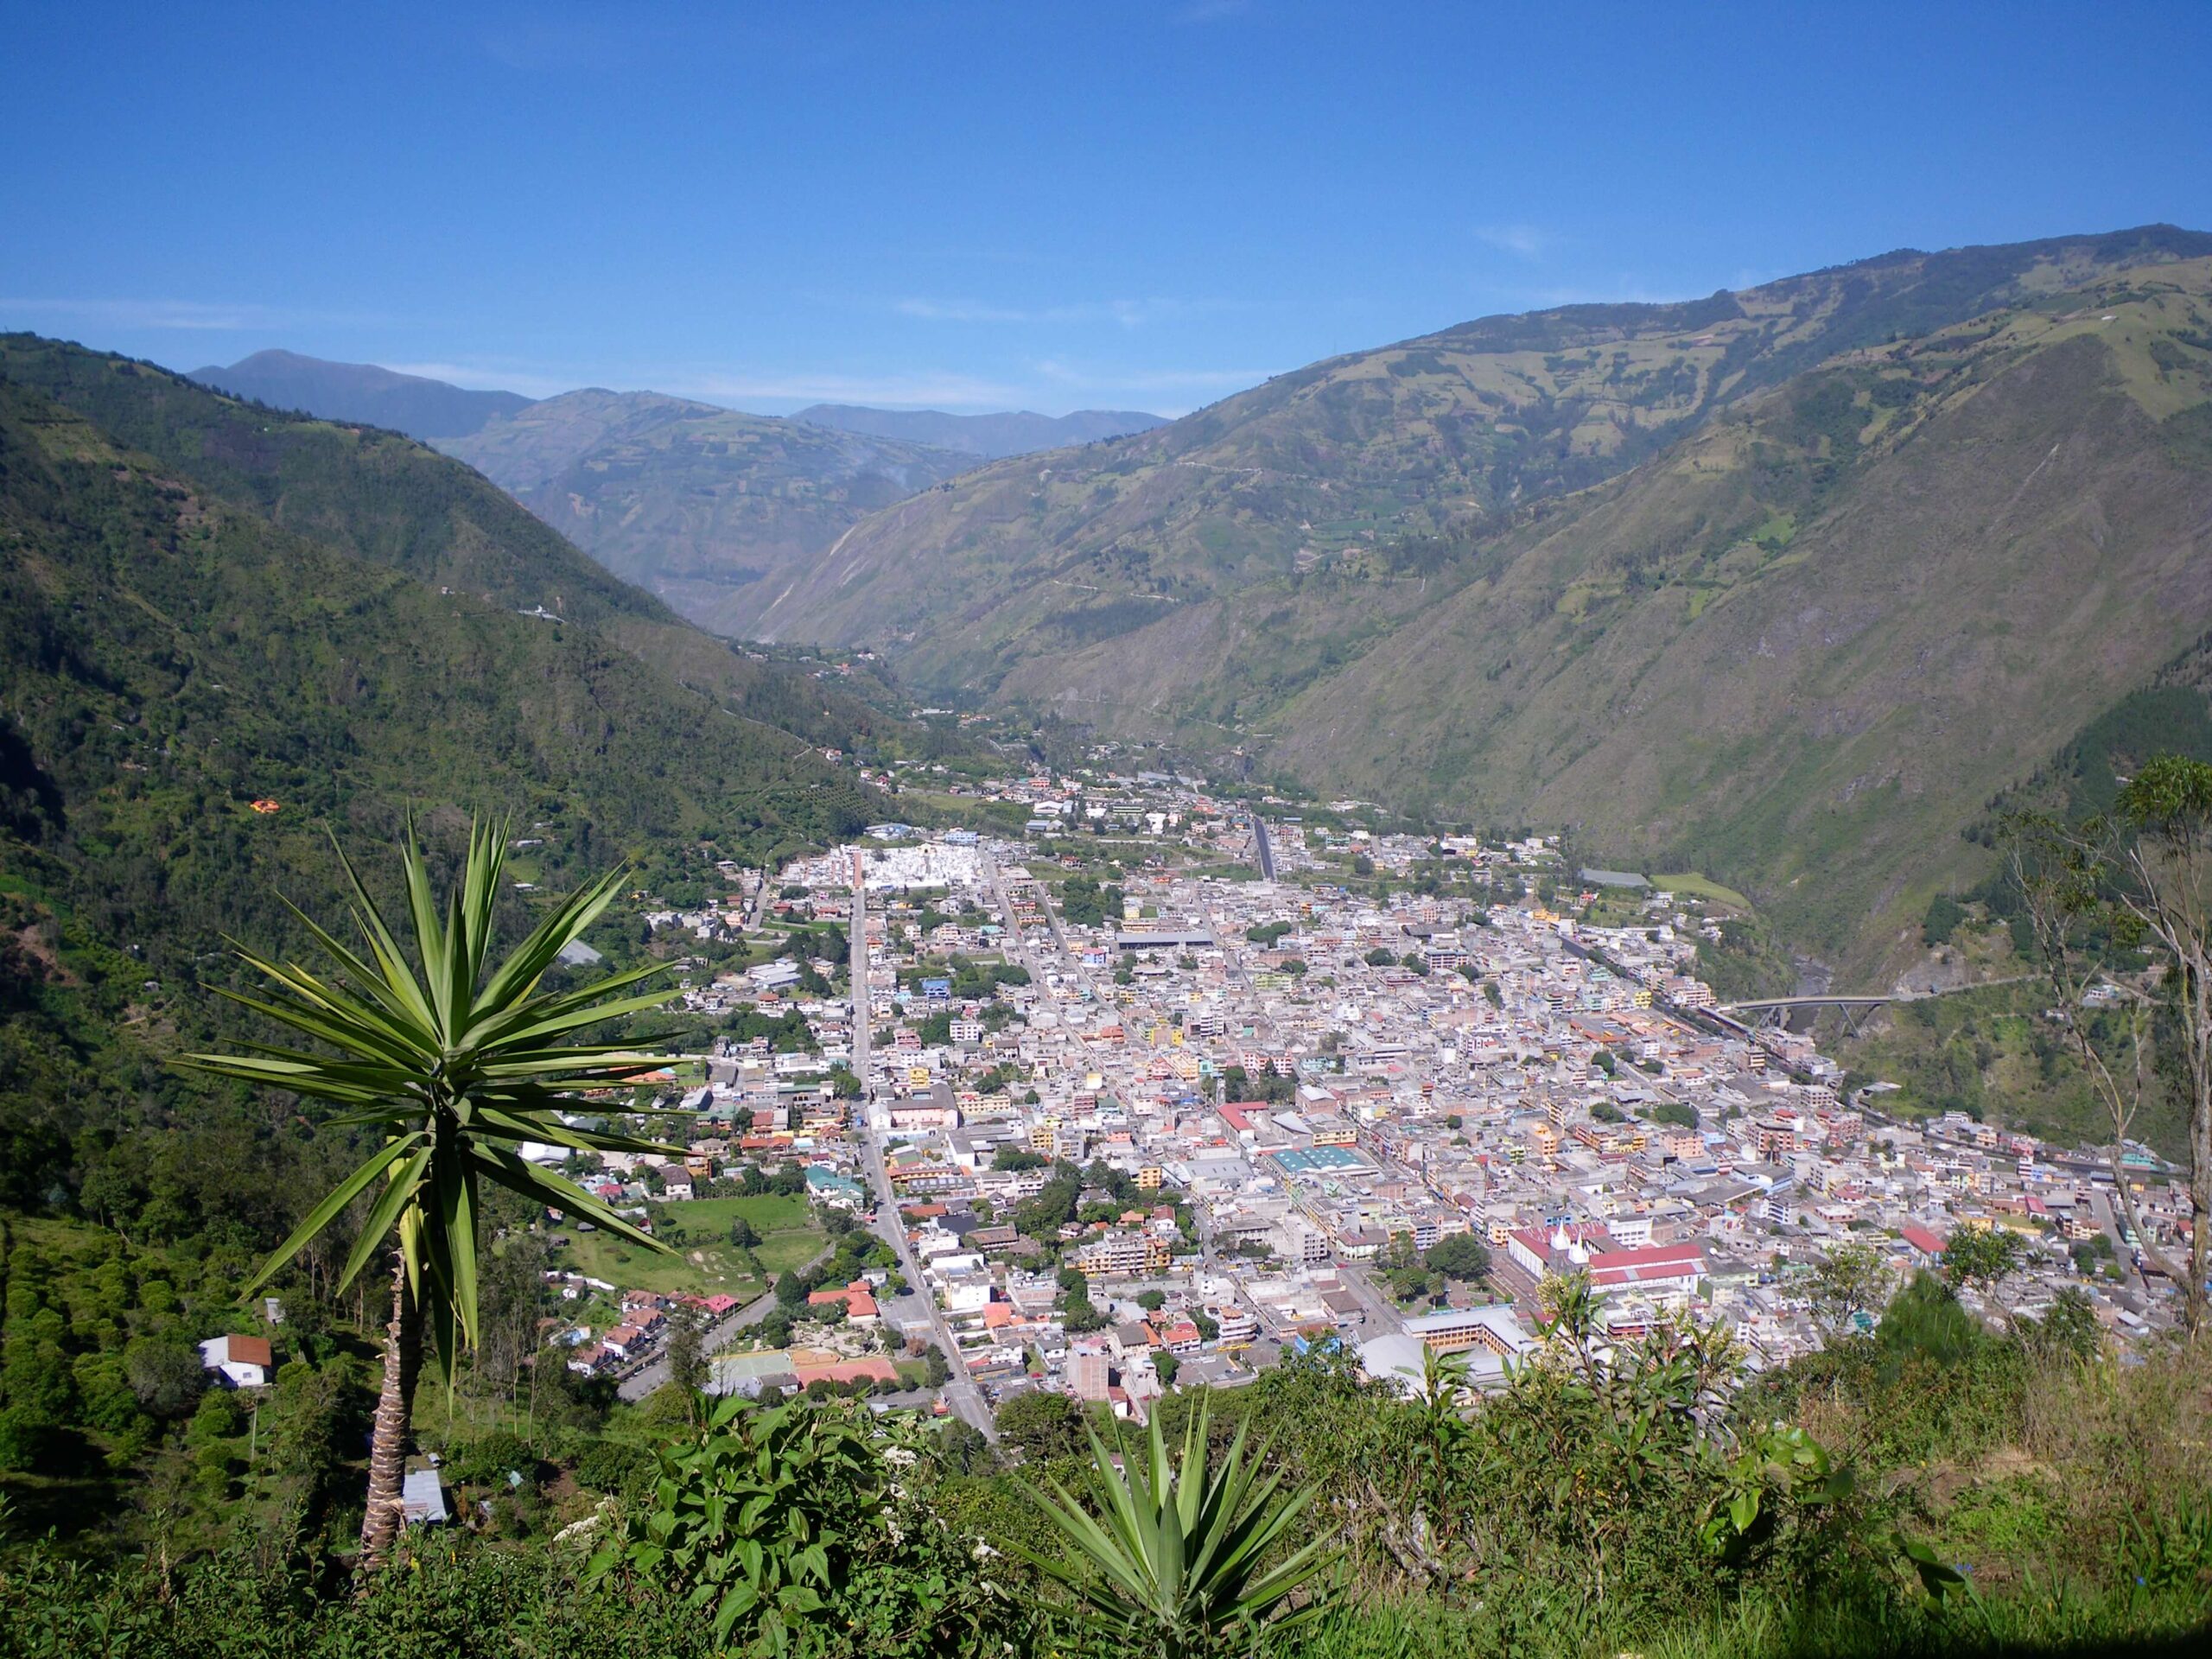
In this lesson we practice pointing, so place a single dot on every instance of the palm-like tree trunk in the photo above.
(402, 1360)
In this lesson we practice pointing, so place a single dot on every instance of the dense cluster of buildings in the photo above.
(1279, 1094)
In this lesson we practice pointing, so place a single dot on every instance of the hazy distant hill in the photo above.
(360, 392)
(714, 510)
(1782, 584)
(992, 437)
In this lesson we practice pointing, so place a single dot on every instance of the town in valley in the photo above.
(1163, 1085)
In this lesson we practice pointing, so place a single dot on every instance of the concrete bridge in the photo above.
(1762, 1012)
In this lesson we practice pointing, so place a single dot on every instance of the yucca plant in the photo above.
(1176, 1561)
(459, 1063)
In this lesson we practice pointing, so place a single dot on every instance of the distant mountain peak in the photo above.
(367, 392)
(1019, 432)
(715, 510)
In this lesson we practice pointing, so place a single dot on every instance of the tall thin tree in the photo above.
(2139, 875)
(459, 1063)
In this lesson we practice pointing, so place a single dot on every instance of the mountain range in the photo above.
(1781, 584)
(359, 391)
(714, 510)
(993, 437)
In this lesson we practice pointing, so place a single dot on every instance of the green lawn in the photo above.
(706, 1263)
(1698, 887)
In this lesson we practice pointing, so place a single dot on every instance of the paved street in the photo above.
(717, 1337)
(960, 1393)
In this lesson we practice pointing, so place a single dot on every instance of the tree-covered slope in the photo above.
(714, 510)
(1402, 453)
(393, 502)
(171, 654)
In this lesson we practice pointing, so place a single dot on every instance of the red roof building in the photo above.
(858, 1297)
(1925, 1243)
(1676, 1269)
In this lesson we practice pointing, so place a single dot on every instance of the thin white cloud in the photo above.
(961, 311)
(1522, 241)
(191, 316)
(1152, 380)
(1164, 391)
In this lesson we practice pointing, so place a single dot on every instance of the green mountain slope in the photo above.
(1782, 585)
(1018, 432)
(174, 648)
(1407, 452)
(1803, 649)
(713, 510)
(393, 502)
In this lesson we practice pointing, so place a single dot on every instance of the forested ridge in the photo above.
(205, 606)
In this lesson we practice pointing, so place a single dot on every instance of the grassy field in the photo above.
(706, 1263)
(1698, 886)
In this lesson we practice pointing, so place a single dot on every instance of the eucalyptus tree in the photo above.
(454, 1062)
(2137, 876)
(1848, 1288)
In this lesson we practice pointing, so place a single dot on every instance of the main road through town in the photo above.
(1264, 851)
(960, 1392)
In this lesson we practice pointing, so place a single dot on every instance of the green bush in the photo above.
(612, 1467)
(1944, 915)
(488, 1459)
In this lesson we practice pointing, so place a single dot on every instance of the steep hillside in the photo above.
(1837, 560)
(553, 436)
(359, 391)
(1413, 452)
(714, 510)
(171, 654)
(387, 500)
(2172, 714)
(1804, 648)
(991, 436)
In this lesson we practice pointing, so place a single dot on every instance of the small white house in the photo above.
(244, 1362)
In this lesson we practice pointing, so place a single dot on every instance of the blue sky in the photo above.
(1052, 206)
